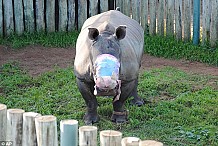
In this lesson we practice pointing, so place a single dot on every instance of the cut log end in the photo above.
(69, 122)
(150, 143)
(48, 118)
(87, 128)
(108, 133)
(3, 107)
(16, 111)
(130, 141)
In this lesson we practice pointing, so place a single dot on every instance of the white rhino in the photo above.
(109, 49)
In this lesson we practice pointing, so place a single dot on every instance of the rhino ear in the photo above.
(93, 33)
(121, 32)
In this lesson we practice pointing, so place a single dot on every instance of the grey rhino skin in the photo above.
(129, 40)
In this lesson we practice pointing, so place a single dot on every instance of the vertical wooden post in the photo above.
(46, 130)
(178, 19)
(130, 141)
(71, 15)
(82, 12)
(110, 138)
(206, 21)
(88, 136)
(103, 6)
(93, 7)
(15, 126)
(3, 122)
(127, 7)
(8, 17)
(150, 143)
(152, 26)
(170, 17)
(50, 15)
(160, 17)
(40, 21)
(18, 17)
(29, 130)
(119, 3)
(69, 133)
(187, 20)
(62, 15)
(214, 23)
(29, 16)
(144, 15)
(196, 22)
(136, 10)
(1, 19)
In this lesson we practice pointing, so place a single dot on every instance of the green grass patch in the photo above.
(55, 39)
(180, 109)
(169, 47)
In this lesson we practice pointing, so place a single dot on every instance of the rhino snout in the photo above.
(106, 82)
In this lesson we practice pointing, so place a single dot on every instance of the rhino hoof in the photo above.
(138, 102)
(119, 117)
(90, 119)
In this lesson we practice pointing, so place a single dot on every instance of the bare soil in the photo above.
(38, 59)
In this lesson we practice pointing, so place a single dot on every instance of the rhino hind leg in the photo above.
(86, 90)
(136, 100)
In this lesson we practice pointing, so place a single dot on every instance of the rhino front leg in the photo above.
(136, 100)
(86, 90)
(120, 114)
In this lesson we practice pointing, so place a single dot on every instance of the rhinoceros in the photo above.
(109, 49)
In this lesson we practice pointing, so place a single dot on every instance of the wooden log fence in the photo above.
(20, 128)
(157, 17)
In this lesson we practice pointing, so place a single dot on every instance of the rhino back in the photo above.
(131, 45)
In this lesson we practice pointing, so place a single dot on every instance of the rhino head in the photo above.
(105, 58)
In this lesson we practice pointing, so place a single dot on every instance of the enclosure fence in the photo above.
(157, 17)
(20, 128)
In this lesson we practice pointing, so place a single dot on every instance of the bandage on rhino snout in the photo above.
(106, 75)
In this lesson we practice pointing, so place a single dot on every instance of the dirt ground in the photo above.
(38, 59)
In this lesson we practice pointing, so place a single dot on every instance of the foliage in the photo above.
(55, 39)
(169, 47)
(180, 109)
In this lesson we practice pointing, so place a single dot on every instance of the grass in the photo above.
(181, 108)
(167, 47)
(55, 39)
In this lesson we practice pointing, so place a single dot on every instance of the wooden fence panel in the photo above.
(18, 17)
(8, 17)
(29, 16)
(93, 7)
(40, 21)
(119, 3)
(82, 12)
(1, 19)
(187, 20)
(206, 20)
(136, 10)
(144, 15)
(50, 15)
(170, 17)
(152, 9)
(160, 17)
(62, 25)
(214, 23)
(103, 6)
(127, 7)
(71, 23)
(178, 19)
